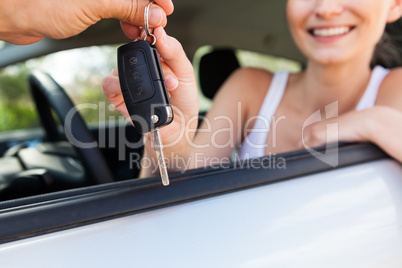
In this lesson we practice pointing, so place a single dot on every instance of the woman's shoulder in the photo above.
(395, 73)
(246, 85)
(252, 74)
(390, 91)
(247, 80)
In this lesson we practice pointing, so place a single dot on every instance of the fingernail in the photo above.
(155, 17)
(171, 82)
(114, 72)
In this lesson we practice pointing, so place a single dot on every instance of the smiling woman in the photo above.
(275, 112)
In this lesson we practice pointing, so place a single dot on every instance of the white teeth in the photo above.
(331, 31)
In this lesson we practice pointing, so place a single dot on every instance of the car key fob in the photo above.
(143, 86)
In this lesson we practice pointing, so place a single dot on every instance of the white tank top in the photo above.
(254, 144)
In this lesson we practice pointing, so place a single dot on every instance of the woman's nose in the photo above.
(327, 9)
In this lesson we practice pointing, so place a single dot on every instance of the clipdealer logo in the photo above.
(116, 137)
(330, 156)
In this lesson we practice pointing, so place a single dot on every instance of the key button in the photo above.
(139, 74)
(141, 91)
(136, 75)
(135, 58)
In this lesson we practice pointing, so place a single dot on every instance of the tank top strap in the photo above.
(274, 95)
(254, 144)
(370, 95)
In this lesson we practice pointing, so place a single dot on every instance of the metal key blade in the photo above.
(158, 147)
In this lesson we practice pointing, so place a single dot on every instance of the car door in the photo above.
(245, 214)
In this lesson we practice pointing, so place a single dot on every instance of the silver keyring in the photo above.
(146, 26)
(151, 35)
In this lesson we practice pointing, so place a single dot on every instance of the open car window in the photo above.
(83, 84)
(78, 71)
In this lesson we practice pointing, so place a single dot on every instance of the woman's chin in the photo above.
(329, 59)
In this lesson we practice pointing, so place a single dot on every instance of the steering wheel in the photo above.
(47, 95)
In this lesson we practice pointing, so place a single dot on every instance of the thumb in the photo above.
(132, 11)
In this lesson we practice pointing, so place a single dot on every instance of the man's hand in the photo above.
(25, 21)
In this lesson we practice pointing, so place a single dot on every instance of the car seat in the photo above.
(214, 68)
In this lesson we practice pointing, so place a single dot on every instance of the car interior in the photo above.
(40, 160)
(55, 164)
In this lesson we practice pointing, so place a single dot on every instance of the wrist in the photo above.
(9, 9)
(16, 22)
(374, 127)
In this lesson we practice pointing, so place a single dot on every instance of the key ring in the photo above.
(146, 26)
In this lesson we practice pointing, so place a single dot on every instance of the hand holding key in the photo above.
(27, 21)
(147, 89)
(180, 83)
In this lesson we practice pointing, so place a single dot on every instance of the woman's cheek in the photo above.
(298, 13)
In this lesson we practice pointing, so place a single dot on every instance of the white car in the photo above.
(62, 206)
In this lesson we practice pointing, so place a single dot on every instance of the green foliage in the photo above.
(17, 117)
(14, 84)
(17, 110)
(13, 88)
(16, 107)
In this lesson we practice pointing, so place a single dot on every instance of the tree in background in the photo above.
(17, 110)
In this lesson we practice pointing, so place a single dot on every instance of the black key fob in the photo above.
(143, 86)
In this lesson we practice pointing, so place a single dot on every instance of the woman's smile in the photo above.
(329, 33)
(336, 31)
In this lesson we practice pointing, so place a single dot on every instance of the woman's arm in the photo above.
(224, 126)
(380, 125)
(387, 132)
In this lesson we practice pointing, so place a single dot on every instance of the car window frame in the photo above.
(19, 217)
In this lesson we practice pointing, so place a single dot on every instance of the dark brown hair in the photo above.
(388, 51)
